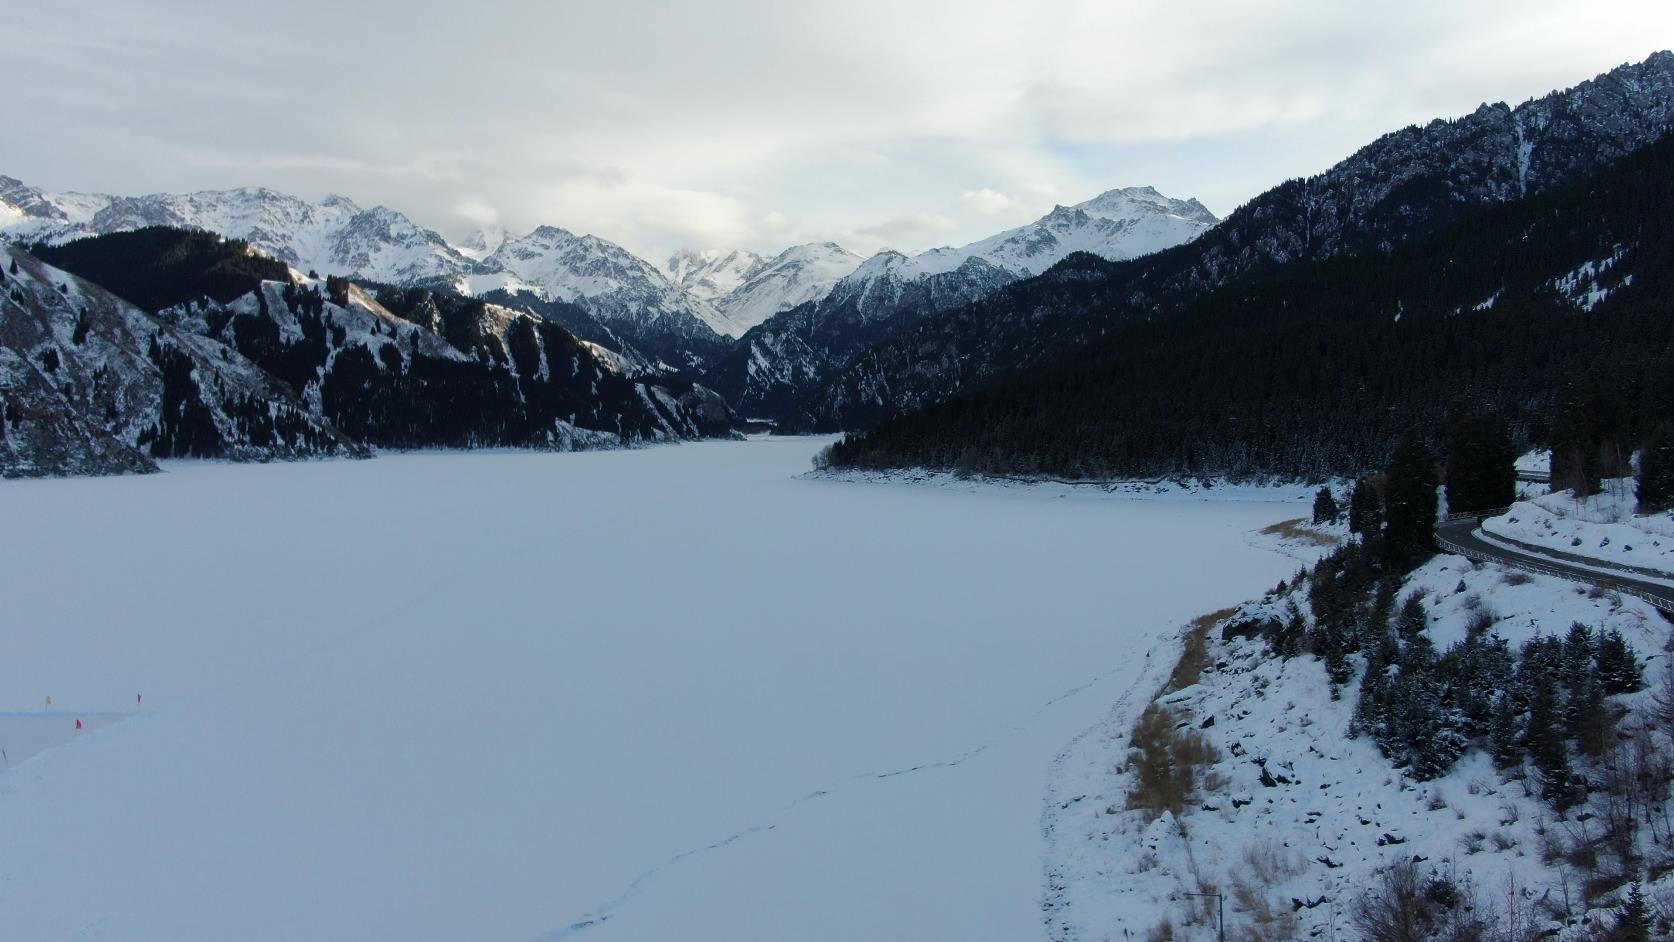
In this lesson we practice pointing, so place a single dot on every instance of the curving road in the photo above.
(1465, 538)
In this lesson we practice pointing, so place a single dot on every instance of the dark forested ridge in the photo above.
(1316, 369)
(235, 357)
(157, 267)
(1404, 185)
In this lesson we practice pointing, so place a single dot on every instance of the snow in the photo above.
(1604, 527)
(670, 692)
(799, 274)
(1115, 874)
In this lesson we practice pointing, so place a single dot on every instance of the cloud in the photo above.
(660, 124)
(986, 201)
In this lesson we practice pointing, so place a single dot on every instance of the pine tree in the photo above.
(1325, 507)
(1413, 618)
(1633, 918)
(1619, 670)
(1578, 648)
(1410, 513)
(1480, 471)
(1656, 471)
(1549, 748)
(1588, 718)
(1365, 514)
(1505, 733)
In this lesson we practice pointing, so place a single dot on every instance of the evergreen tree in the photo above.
(1633, 918)
(1505, 733)
(1410, 513)
(1413, 619)
(1549, 748)
(1481, 464)
(1325, 507)
(1365, 514)
(1656, 471)
(1578, 648)
(1619, 670)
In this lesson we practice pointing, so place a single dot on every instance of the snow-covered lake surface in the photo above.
(671, 693)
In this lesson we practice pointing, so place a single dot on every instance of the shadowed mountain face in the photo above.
(1405, 184)
(228, 354)
(783, 360)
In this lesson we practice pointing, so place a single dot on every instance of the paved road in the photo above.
(1464, 535)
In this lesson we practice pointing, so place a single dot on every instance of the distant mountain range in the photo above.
(815, 338)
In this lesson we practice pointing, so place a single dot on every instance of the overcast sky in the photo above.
(660, 125)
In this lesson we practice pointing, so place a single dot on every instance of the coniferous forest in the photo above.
(1548, 315)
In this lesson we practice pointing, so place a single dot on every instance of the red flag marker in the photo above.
(78, 724)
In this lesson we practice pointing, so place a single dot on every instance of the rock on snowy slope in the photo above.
(712, 274)
(621, 290)
(651, 315)
(787, 357)
(331, 237)
(404, 368)
(1404, 184)
(799, 274)
(94, 385)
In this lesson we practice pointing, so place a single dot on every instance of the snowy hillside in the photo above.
(1605, 527)
(1118, 224)
(337, 237)
(1297, 819)
(619, 288)
(712, 274)
(799, 274)
(788, 356)
(94, 385)
(330, 237)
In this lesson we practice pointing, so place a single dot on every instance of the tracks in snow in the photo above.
(612, 907)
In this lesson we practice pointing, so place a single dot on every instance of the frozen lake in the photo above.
(670, 693)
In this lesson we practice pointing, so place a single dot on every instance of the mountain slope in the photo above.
(331, 237)
(1551, 304)
(799, 274)
(712, 274)
(403, 368)
(1405, 184)
(783, 359)
(94, 385)
(655, 319)
(620, 289)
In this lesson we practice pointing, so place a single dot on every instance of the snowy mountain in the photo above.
(788, 354)
(1403, 185)
(331, 237)
(337, 237)
(94, 385)
(712, 274)
(1115, 225)
(799, 274)
(616, 286)
(226, 352)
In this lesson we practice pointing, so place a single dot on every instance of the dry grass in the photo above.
(1168, 758)
(1194, 654)
(1169, 761)
(1300, 529)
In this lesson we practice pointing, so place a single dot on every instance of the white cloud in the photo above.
(986, 201)
(736, 122)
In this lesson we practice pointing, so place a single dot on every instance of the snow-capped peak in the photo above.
(615, 284)
(799, 274)
(712, 274)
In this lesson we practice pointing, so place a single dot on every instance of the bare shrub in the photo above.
(1404, 904)
(1167, 761)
